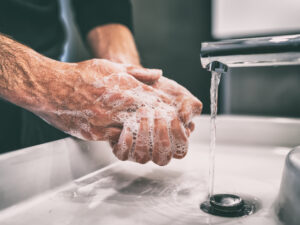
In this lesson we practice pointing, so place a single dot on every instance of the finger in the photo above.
(117, 101)
(114, 135)
(104, 133)
(189, 129)
(187, 132)
(189, 108)
(107, 67)
(197, 107)
(120, 81)
(101, 117)
(141, 153)
(162, 152)
(179, 139)
(86, 135)
(144, 75)
(191, 126)
(124, 145)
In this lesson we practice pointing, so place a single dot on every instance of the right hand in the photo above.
(101, 100)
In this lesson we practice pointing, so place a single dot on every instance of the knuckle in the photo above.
(119, 154)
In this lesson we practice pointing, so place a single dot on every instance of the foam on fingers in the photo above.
(162, 152)
(189, 108)
(141, 153)
(104, 133)
(180, 143)
(124, 145)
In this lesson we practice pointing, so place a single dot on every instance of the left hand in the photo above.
(186, 104)
(186, 107)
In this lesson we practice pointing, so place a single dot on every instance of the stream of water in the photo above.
(215, 80)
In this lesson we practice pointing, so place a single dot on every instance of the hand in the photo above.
(78, 92)
(101, 100)
(186, 104)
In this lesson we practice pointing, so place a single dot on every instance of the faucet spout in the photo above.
(262, 51)
(217, 67)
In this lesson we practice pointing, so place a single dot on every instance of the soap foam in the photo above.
(151, 103)
(150, 99)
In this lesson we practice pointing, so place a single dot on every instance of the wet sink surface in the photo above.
(128, 193)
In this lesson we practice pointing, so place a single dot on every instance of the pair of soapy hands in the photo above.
(142, 114)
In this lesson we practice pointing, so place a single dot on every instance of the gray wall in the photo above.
(271, 91)
(236, 18)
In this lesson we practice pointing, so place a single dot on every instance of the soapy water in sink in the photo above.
(152, 196)
(127, 193)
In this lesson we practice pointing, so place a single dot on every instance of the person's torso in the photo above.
(35, 23)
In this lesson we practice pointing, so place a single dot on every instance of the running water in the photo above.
(224, 205)
(215, 80)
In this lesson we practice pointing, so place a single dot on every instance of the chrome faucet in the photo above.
(249, 52)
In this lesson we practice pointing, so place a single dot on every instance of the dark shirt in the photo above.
(37, 24)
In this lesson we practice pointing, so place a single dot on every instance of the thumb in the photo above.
(145, 75)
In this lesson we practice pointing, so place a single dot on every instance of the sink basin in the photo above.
(76, 182)
(287, 205)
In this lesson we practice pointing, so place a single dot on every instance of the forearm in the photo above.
(25, 75)
(114, 42)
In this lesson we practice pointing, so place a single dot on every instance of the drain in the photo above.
(228, 205)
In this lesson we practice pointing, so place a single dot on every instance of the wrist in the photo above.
(115, 43)
(55, 82)
(27, 78)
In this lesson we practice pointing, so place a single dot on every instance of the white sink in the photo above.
(76, 182)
